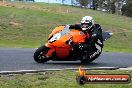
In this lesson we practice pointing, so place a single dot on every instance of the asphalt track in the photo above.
(12, 59)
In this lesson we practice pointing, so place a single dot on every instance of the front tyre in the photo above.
(39, 55)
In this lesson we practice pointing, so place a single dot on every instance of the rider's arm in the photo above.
(76, 26)
(97, 32)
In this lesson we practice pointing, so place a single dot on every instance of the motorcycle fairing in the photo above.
(60, 46)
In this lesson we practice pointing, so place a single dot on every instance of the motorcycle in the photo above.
(59, 46)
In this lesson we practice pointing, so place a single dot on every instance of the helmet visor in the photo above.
(86, 25)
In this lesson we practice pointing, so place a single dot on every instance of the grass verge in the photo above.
(57, 79)
(29, 24)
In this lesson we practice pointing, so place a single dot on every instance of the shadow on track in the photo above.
(75, 63)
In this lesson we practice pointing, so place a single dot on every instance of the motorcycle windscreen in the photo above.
(56, 30)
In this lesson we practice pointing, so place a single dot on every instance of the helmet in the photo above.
(87, 23)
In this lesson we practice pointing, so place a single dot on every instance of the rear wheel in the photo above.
(39, 55)
(87, 59)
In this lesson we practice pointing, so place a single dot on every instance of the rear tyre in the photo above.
(84, 61)
(87, 59)
(39, 55)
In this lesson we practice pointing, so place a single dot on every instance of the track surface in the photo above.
(12, 59)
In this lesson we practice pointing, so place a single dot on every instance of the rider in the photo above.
(94, 42)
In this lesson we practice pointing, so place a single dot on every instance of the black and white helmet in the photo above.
(87, 23)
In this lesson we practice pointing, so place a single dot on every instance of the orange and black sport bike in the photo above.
(59, 47)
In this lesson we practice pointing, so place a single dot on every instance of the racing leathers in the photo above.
(93, 44)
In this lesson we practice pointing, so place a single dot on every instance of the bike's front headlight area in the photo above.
(55, 37)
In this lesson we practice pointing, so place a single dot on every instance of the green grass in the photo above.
(57, 79)
(29, 24)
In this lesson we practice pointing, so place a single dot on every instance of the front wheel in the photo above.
(39, 55)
